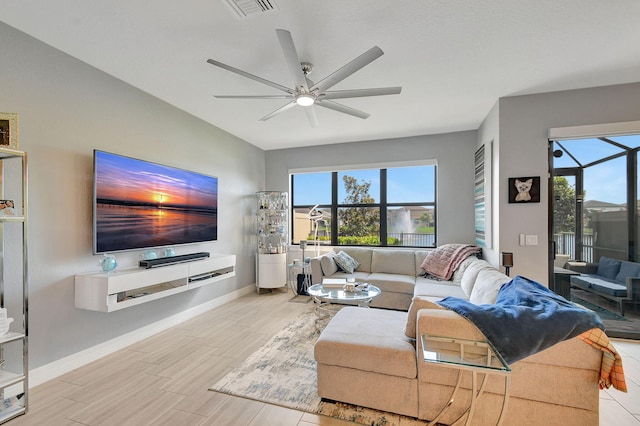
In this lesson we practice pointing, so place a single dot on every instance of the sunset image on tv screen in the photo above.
(139, 204)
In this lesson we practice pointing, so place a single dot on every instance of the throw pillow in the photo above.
(485, 291)
(328, 264)
(628, 269)
(416, 304)
(345, 262)
(608, 268)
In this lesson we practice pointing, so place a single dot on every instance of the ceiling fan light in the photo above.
(305, 99)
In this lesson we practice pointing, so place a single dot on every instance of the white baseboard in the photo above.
(64, 365)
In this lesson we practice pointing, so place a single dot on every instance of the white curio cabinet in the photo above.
(272, 229)
(13, 284)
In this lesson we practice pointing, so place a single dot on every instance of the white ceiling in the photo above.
(453, 58)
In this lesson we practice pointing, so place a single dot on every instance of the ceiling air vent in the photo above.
(245, 8)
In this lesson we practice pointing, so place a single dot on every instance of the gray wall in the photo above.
(66, 109)
(524, 123)
(454, 153)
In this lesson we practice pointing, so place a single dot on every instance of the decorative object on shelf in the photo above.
(7, 208)
(9, 130)
(108, 263)
(4, 321)
(169, 252)
(12, 402)
(507, 261)
(148, 255)
(524, 189)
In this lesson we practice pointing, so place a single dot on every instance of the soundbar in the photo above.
(172, 260)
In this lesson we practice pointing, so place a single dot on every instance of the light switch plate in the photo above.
(522, 239)
(531, 240)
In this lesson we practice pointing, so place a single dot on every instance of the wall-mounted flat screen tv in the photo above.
(139, 204)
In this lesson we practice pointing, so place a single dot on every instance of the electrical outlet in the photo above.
(531, 240)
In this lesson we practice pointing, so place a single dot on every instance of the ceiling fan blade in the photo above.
(342, 108)
(292, 59)
(358, 63)
(279, 110)
(252, 96)
(311, 116)
(359, 93)
(251, 76)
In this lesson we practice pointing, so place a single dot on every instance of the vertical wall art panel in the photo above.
(482, 195)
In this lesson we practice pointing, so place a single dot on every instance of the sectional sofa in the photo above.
(371, 357)
(397, 272)
(613, 279)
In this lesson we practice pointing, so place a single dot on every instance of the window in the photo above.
(393, 206)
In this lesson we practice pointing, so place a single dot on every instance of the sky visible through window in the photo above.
(404, 184)
(604, 182)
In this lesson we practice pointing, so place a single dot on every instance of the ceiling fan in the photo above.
(306, 93)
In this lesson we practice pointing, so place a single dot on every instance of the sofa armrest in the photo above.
(633, 288)
(582, 267)
(446, 323)
(316, 271)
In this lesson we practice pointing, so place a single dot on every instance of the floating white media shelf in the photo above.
(122, 288)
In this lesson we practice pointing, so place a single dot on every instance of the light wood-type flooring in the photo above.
(163, 380)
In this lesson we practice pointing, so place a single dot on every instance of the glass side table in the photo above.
(476, 356)
(328, 298)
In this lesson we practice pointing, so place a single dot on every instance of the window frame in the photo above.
(382, 204)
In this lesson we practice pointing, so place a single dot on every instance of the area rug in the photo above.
(283, 372)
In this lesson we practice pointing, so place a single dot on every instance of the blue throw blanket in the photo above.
(526, 318)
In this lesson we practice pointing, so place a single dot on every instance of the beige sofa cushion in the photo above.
(459, 272)
(420, 255)
(416, 304)
(396, 283)
(361, 254)
(488, 283)
(394, 262)
(471, 274)
(438, 289)
(368, 340)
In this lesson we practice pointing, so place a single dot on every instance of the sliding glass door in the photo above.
(594, 193)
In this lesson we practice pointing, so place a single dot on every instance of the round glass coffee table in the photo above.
(327, 300)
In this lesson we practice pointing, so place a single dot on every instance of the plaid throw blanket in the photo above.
(611, 372)
(442, 261)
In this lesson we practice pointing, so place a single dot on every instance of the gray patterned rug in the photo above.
(283, 372)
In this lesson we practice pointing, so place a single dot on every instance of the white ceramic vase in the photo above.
(4, 321)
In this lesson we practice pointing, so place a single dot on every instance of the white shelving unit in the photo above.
(271, 262)
(123, 288)
(14, 385)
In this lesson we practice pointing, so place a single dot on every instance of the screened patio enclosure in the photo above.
(594, 212)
